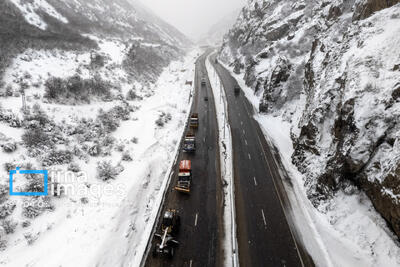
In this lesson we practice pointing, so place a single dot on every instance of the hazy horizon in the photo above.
(193, 17)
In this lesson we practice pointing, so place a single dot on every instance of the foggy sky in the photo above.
(193, 17)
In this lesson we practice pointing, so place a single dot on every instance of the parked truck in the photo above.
(184, 177)
(194, 120)
(166, 238)
(189, 144)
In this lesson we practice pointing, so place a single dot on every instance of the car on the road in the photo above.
(203, 81)
(206, 98)
(236, 89)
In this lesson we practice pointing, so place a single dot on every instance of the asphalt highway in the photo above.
(264, 235)
(201, 212)
(265, 232)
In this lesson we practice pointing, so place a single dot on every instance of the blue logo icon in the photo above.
(18, 171)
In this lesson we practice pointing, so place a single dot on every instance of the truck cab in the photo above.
(189, 144)
(184, 177)
(194, 120)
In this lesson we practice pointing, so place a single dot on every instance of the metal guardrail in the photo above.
(161, 206)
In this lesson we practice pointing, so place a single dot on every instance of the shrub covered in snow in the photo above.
(109, 121)
(74, 167)
(9, 226)
(26, 223)
(94, 150)
(10, 118)
(6, 209)
(30, 238)
(76, 89)
(131, 95)
(126, 156)
(106, 171)
(36, 117)
(163, 118)
(34, 138)
(36, 206)
(9, 166)
(35, 183)
(57, 157)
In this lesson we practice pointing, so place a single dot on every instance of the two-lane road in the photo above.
(263, 232)
(201, 211)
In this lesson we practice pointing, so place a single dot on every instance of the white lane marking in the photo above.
(241, 122)
(204, 140)
(249, 156)
(195, 220)
(279, 197)
(245, 141)
(243, 131)
(255, 181)
(265, 221)
(191, 261)
(239, 114)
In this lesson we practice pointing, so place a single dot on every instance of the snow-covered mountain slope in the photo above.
(51, 24)
(215, 34)
(93, 92)
(331, 71)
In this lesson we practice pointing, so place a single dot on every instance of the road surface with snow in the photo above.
(200, 233)
(263, 233)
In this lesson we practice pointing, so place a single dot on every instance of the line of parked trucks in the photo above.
(171, 220)
(170, 223)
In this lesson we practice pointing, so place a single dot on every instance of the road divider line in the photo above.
(245, 141)
(195, 220)
(255, 181)
(249, 155)
(191, 262)
(263, 216)
(231, 252)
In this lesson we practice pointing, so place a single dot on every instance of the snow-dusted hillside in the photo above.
(94, 92)
(215, 34)
(326, 76)
(56, 24)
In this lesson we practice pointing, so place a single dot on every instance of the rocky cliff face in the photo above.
(332, 69)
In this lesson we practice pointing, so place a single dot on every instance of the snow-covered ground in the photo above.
(225, 148)
(108, 226)
(346, 232)
(31, 10)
